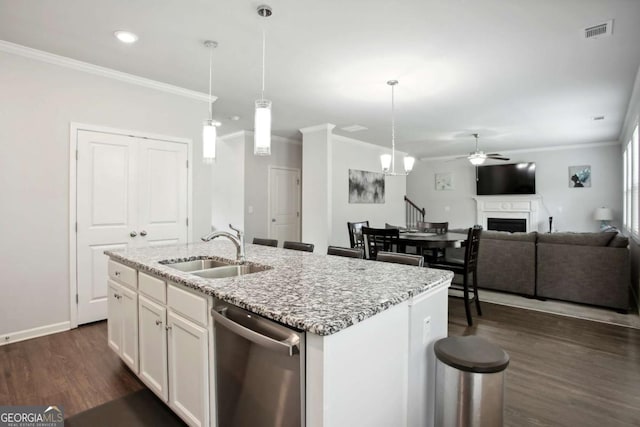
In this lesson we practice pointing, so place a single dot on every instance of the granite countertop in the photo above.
(317, 293)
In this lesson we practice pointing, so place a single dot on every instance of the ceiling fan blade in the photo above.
(497, 158)
(494, 154)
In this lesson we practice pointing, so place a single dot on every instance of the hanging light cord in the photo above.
(210, 82)
(264, 47)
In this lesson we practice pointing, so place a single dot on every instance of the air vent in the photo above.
(601, 30)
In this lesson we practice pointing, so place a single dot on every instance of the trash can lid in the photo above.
(471, 354)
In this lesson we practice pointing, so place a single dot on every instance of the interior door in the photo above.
(131, 192)
(106, 193)
(284, 204)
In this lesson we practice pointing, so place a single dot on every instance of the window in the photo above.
(631, 182)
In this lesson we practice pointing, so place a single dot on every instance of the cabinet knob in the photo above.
(133, 234)
(168, 328)
(158, 322)
(143, 233)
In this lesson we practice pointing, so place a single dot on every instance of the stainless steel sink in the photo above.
(229, 271)
(199, 264)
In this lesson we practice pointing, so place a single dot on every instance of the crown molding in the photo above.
(328, 127)
(382, 148)
(109, 73)
(530, 150)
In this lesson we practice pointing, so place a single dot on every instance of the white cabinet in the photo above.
(153, 346)
(122, 326)
(188, 370)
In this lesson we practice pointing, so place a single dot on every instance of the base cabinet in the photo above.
(122, 328)
(153, 346)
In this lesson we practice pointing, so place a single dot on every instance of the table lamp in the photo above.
(604, 215)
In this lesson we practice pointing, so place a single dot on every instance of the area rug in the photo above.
(138, 409)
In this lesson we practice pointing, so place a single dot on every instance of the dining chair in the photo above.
(298, 246)
(346, 252)
(379, 239)
(433, 255)
(355, 233)
(265, 242)
(397, 258)
(466, 267)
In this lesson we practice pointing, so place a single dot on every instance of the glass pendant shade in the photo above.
(262, 128)
(209, 135)
(408, 163)
(385, 162)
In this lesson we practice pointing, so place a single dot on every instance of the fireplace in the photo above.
(523, 208)
(507, 224)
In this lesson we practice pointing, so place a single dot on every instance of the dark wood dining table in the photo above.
(431, 240)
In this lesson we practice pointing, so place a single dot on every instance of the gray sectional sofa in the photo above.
(588, 268)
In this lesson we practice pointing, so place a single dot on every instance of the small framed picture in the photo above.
(444, 181)
(579, 176)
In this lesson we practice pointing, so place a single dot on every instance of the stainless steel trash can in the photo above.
(469, 382)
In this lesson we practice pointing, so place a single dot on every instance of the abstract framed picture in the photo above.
(444, 181)
(579, 176)
(366, 187)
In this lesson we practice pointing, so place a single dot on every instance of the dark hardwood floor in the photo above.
(563, 371)
(74, 369)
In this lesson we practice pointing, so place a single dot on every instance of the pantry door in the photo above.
(131, 192)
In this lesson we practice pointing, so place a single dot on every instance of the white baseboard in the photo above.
(34, 333)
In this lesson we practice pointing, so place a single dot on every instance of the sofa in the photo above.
(587, 268)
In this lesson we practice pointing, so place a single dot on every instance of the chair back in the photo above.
(433, 227)
(355, 233)
(472, 248)
(397, 258)
(298, 246)
(379, 239)
(346, 252)
(265, 242)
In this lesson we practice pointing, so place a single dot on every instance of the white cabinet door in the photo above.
(129, 312)
(114, 324)
(188, 370)
(131, 192)
(153, 346)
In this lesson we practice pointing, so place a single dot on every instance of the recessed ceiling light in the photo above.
(126, 36)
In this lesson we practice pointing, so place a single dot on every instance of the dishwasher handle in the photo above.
(289, 345)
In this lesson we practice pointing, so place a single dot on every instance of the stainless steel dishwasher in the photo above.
(260, 370)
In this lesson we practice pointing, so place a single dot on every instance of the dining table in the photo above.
(424, 240)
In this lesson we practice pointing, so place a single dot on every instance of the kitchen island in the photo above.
(369, 328)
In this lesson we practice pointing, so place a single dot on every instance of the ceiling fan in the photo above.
(478, 157)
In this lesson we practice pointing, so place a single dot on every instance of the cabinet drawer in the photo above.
(123, 274)
(188, 304)
(152, 287)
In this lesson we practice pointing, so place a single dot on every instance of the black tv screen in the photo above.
(515, 178)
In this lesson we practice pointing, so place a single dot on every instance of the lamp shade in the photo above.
(209, 134)
(262, 128)
(603, 214)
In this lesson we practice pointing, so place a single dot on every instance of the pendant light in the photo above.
(262, 124)
(388, 161)
(209, 131)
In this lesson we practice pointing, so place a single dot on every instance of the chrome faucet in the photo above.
(237, 240)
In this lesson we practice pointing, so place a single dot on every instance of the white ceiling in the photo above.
(518, 72)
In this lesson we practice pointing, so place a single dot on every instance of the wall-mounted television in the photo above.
(513, 178)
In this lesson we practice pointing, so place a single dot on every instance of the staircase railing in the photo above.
(412, 213)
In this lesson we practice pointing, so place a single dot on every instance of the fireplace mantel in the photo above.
(521, 207)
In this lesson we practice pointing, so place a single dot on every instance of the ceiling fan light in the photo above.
(408, 163)
(477, 159)
(385, 162)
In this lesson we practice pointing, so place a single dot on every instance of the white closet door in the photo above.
(106, 191)
(284, 204)
(162, 195)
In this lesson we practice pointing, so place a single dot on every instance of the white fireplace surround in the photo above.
(515, 207)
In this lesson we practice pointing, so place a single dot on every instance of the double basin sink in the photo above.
(215, 269)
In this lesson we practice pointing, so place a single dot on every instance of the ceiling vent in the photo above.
(601, 30)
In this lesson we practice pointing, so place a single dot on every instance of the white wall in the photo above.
(38, 102)
(571, 208)
(284, 153)
(227, 195)
(353, 154)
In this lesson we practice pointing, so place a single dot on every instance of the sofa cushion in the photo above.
(505, 235)
(619, 242)
(580, 239)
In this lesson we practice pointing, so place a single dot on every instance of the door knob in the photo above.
(143, 233)
(133, 234)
